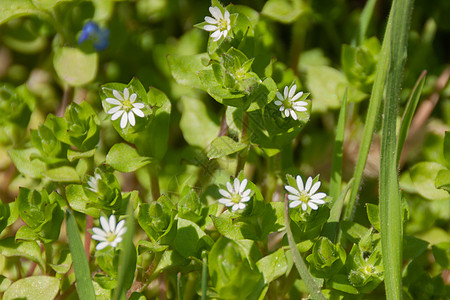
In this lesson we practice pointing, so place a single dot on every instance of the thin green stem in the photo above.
(242, 156)
(154, 182)
(204, 277)
(302, 269)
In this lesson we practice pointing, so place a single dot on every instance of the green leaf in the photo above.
(33, 288)
(424, 176)
(443, 180)
(323, 82)
(10, 9)
(185, 69)
(273, 265)
(78, 200)
(441, 253)
(29, 167)
(373, 213)
(26, 233)
(74, 66)
(340, 282)
(223, 146)
(197, 123)
(413, 247)
(284, 11)
(62, 174)
(353, 231)
(47, 4)
(170, 259)
(4, 283)
(73, 155)
(125, 158)
(80, 263)
(188, 238)
(26, 249)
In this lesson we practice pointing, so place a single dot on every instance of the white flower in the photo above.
(289, 103)
(236, 196)
(110, 234)
(125, 107)
(220, 24)
(305, 195)
(93, 182)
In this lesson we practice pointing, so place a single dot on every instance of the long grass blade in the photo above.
(302, 269)
(84, 284)
(390, 204)
(409, 113)
(127, 259)
(336, 167)
(372, 113)
(364, 20)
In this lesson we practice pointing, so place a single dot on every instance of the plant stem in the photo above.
(87, 236)
(154, 181)
(302, 269)
(204, 277)
(242, 156)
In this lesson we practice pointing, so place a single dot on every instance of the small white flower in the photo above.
(93, 182)
(110, 234)
(289, 103)
(236, 196)
(125, 107)
(220, 24)
(306, 196)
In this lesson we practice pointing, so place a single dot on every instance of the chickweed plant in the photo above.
(279, 149)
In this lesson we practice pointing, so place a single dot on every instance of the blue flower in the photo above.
(99, 37)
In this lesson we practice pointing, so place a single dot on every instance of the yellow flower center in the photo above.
(126, 104)
(236, 198)
(111, 237)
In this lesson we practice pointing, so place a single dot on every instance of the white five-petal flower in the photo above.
(289, 102)
(110, 234)
(220, 24)
(93, 182)
(236, 195)
(125, 107)
(305, 195)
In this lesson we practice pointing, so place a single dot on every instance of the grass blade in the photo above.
(302, 269)
(204, 276)
(409, 113)
(127, 259)
(364, 20)
(372, 113)
(336, 167)
(390, 204)
(80, 263)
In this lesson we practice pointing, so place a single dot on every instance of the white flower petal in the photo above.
(312, 205)
(211, 20)
(138, 112)
(216, 13)
(225, 201)
(98, 231)
(112, 223)
(235, 207)
(292, 91)
(293, 197)
(117, 95)
(114, 110)
(298, 95)
(236, 184)
(300, 108)
(243, 185)
(104, 223)
(133, 97)
(101, 245)
(308, 184)
(317, 201)
(294, 204)
(225, 33)
(318, 196)
(304, 206)
(293, 114)
(279, 96)
(299, 181)
(131, 118)
(116, 115)
(113, 101)
(210, 27)
(281, 108)
(126, 93)
(286, 91)
(245, 199)
(246, 193)
(226, 16)
(314, 188)
(230, 188)
(124, 120)
(216, 34)
(99, 238)
(286, 112)
(138, 105)
(120, 225)
(292, 190)
(278, 102)
(241, 205)
(225, 193)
